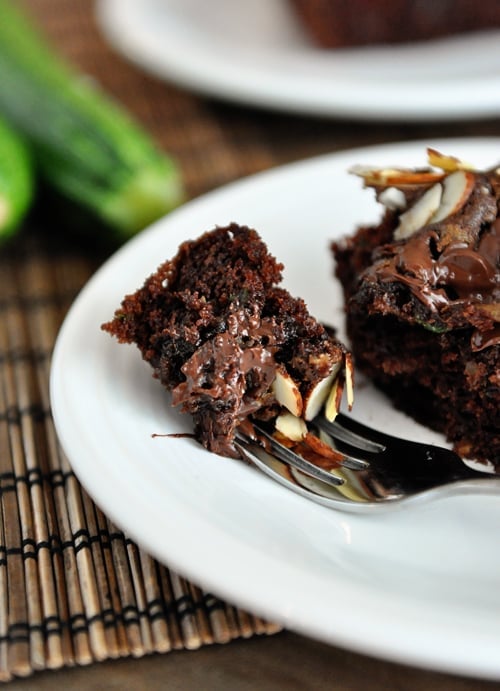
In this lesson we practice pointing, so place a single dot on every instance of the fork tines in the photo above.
(350, 432)
(355, 453)
(269, 444)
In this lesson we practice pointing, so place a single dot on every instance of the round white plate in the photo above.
(419, 585)
(256, 53)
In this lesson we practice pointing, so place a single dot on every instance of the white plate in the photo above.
(419, 585)
(256, 53)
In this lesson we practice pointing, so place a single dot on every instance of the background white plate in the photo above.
(256, 53)
(419, 585)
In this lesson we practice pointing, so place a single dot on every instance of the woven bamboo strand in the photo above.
(265, 627)
(129, 609)
(103, 585)
(86, 571)
(245, 623)
(185, 612)
(234, 622)
(211, 618)
(154, 604)
(175, 634)
(140, 596)
(114, 591)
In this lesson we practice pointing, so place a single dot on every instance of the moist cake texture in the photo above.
(229, 342)
(422, 293)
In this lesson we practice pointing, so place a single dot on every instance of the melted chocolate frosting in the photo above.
(452, 266)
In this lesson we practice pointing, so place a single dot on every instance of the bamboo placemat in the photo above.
(73, 588)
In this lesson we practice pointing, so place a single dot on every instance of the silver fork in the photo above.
(376, 469)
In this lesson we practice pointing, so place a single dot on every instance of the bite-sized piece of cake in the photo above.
(229, 343)
(422, 292)
(337, 23)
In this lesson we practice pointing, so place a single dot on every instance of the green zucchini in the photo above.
(85, 145)
(16, 180)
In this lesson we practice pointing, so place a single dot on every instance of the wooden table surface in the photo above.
(214, 144)
(285, 662)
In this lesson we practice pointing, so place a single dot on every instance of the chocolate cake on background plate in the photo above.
(339, 24)
(231, 345)
(422, 296)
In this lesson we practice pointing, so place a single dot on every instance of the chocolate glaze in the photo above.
(451, 264)
(221, 366)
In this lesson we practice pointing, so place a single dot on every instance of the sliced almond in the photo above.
(445, 162)
(317, 395)
(290, 426)
(457, 188)
(332, 405)
(396, 176)
(393, 199)
(415, 177)
(420, 213)
(287, 392)
(323, 449)
(374, 176)
(349, 380)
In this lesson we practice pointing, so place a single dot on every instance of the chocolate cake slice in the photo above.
(422, 293)
(337, 23)
(229, 342)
